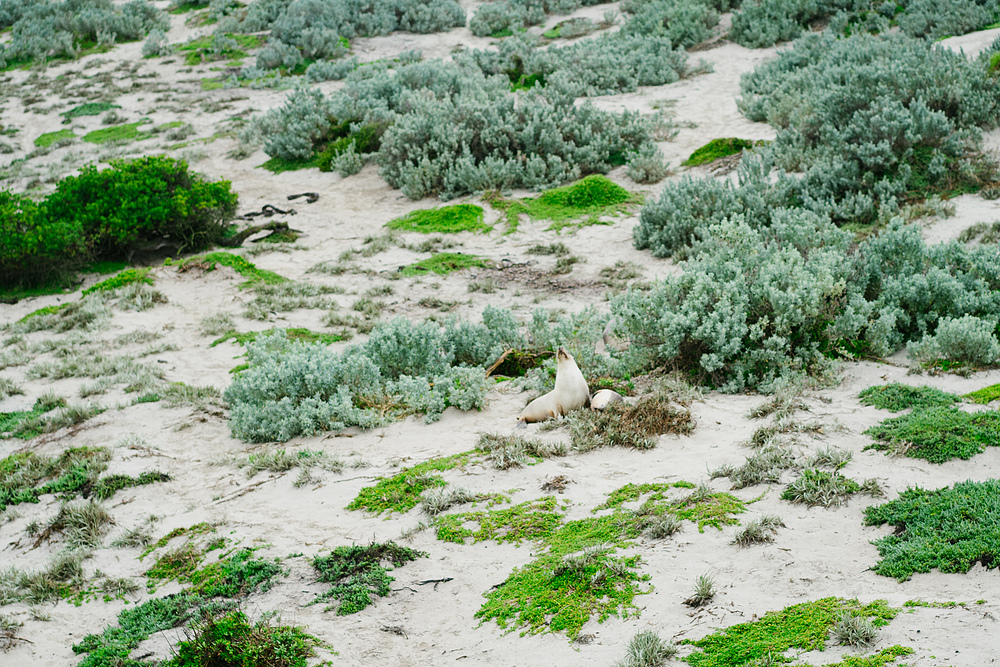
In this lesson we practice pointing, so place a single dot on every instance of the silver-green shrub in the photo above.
(869, 119)
(684, 23)
(156, 44)
(292, 388)
(325, 70)
(967, 339)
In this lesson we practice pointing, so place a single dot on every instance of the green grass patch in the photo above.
(27, 424)
(123, 132)
(590, 198)
(401, 492)
(702, 506)
(443, 220)
(231, 580)
(357, 573)
(212, 84)
(578, 573)
(26, 475)
(184, 7)
(106, 487)
(442, 264)
(296, 333)
(804, 626)
(105, 266)
(231, 638)
(896, 397)
(241, 265)
(89, 109)
(196, 529)
(533, 520)
(17, 293)
(718, 148)
(50, 138)
(950, 529)
(985, 395)
(121, 279)
(937, 434)
(277, 165)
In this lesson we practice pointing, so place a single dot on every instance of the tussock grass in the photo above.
(826, 489)
(514, 451)
(437, 500)
(856, 631)
(704, 591)
(764, 466)
(633, 426)
(83, 524)
(647, 649)
(758, 531)
(280, 460)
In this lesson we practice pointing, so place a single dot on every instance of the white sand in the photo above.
(820, 552)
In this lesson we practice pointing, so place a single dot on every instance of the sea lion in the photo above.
(571, 392)
(602, 398)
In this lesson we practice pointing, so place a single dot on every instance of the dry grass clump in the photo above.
(762, 467)
(280, 460)
(514, 451)
(704, 591)
(633, 426)
(647, 649)
(662, 526)
(83, 524)
(856, 631)
(439, 499)
(758, 531)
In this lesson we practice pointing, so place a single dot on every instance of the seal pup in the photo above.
(571, 392)
(602, 398)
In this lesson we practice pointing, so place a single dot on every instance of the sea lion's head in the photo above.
(563, 355)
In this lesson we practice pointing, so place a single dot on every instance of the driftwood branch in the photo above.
(237, 240)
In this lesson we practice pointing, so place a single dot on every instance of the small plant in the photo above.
(818, 487)
(830, 457)
(662, 526)
(647, 649)
(356, 573)
(704, 591)
(758, 531)
(230, 638)
(986, 395)
(513, 451)
(856, 631)
(437, 500)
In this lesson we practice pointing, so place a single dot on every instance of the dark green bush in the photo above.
(33, 250)
(143, 201)
(896, 397)
(231, 639)
(938, 434)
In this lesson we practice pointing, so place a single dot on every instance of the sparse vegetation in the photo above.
(937, 434)
(443, 220)
(356, 574)
(634, 426)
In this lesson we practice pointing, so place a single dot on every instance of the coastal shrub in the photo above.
(321, 27)
(49, 28)
(357, 574)
(34, 250)
(292, 388)
(683, 23)
(896, 397)
(871, 121)
(230, 638)
(967, 339)
(156, 44)
(450, 130)
(605, 65)
(145, 200)
(950, 529)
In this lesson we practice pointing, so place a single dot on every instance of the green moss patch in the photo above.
(803, 626)
(401, 492)
(123, 132)
(896, 397)
(357, 573)
(295, 333)
(985, 395)
(937, 434)
(578, 576)
(50, 138)
(241, 265)
(578, 572)
(89, 109)
(590, 198)
(532, 520)
(443, 220)
(950, 529)
(442, 264)
(121, 279)
(719, 148)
